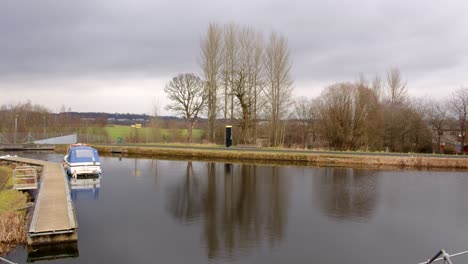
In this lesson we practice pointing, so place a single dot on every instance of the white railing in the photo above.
(24, 178)
(443, 255)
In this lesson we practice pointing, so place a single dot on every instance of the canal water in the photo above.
(159, 211)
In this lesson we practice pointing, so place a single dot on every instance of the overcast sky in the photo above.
(117, 56)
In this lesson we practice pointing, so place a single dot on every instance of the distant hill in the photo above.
(118, 118)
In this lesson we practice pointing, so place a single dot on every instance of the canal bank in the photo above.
(295, 157)
(239, 213)
(52, 219)
(13, 217)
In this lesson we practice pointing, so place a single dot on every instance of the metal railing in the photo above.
(443, 255)
(7, 261)
(24, 178)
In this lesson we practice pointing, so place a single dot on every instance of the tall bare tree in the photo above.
(377, 87)
(211, 64)
(396, 105)
(235, 59)
(304, 113)
(256, 81)
(397, 90)
(240, 65)
(437, 115)
(230, 49)
(247, 80)
(278, 86)
(361, 79)
(458, 103)
(188, 96)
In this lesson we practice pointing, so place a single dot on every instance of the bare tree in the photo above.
(188, 97)
(229, 67)
(419, 138)
(361, 79)
(437, 115)
(397, 90)
(458, 104)
(278, 86)
(346, 115)
(256, 81)
(405, 128)
(211, 64)
(247, 80)
(395, 108)
(235, 59)
(240, 74)
(377, 87)
(155, 122)
(335, 114)
(303, 111)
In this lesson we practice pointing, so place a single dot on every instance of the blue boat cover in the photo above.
(82, 154)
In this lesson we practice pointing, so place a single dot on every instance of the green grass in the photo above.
(5, 175)
(11, 200)
(126, 132)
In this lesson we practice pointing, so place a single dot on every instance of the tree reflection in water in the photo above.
(347, 194)
(241, 206)
(184, 200)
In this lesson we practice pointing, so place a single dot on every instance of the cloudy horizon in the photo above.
(117, 56)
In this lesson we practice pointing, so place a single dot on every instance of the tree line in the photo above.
(379, 115)
(246, 82)
(27, 122)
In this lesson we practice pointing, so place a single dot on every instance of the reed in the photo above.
(12, 230)
(5, 177)
(60, 148)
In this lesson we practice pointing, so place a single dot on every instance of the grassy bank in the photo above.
(338, 159)
(12, 221)
(126, 133)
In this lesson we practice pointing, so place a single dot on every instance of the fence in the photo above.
(9, 138)
(24, 178)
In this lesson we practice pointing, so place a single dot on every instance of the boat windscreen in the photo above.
(83, 155)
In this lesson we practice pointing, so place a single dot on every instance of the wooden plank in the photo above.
(24, 160)
(25, 186)
(53, 210)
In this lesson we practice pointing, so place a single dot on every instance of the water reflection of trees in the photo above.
(184, 200)
(240, 205)
(346, 193)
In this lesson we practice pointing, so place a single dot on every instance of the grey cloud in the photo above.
(92, 41)
(329, 40)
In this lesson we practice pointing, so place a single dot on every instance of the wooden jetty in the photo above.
(54, 219)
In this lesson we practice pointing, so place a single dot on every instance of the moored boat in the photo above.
(82, 164)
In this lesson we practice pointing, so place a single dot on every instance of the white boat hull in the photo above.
(83, 169)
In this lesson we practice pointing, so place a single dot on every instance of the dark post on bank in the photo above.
(228, 136)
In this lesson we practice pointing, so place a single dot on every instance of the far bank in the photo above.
(284, 157)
